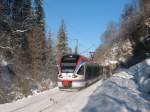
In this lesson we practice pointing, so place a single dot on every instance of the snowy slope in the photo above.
(52, 101)
(118, 94)
(126, 91)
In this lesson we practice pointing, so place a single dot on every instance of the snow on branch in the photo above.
(147, 22)
(6, 47)
(20, 31)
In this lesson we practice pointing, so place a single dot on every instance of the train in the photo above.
(77, 71)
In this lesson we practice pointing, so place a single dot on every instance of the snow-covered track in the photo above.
(74, 102)
(32, 103)
(52, 101)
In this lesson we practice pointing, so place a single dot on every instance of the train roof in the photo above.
(77, 56)
(72, 55)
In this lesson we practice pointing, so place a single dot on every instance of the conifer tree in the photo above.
(37, 42)
(39, 13)
(21, 10)
(49, 51)
(61, 45)
(111, 33)
(50, 61)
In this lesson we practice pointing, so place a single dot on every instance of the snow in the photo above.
(4, 63)
(126, 91)
(108, 62)
(122, 59)
(147, 61)
(124, 75)
(21, 31)
(113, 62)
(6, 47)
(118, 95)
(53, 100)
(142, 74)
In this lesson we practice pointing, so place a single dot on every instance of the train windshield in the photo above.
(68, 64)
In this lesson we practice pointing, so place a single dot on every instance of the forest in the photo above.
(29, 56)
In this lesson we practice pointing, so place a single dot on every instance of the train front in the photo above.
(71, 72)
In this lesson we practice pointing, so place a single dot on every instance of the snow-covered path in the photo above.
(52, 101)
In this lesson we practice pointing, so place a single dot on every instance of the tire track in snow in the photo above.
(72, 99)
(66, 98)
(51, 100)
(34, 102)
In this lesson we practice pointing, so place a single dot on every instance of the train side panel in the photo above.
(93, 72)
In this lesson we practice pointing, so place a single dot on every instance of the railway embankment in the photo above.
(125, 91)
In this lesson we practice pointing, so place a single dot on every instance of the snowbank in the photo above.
(141, 73)
(123, 92)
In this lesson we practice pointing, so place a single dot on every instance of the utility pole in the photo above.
(76, 47)
(91, 55)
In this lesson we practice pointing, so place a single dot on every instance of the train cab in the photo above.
(76, 71)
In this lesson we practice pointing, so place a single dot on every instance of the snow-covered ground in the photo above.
(120, 93)
(126, 91)
(53, 100)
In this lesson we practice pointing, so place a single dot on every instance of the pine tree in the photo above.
(36, 41)
(127, 12)
(5, 27)
(50, 61)
(61, 45)
(49, 51)
(40, 25)
(110, 34)
(21, 10)
(39, 13)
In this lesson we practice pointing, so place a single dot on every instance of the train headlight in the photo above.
(60, 76)
(74, 76)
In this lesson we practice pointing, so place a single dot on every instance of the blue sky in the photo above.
(85, 20)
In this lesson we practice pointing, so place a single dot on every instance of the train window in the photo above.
(81, 71)
(92, 71)
(96, 70)
(67, 69)
(88, 72)
(69, 60)
(68, 64)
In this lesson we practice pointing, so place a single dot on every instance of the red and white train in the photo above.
(76, 71)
